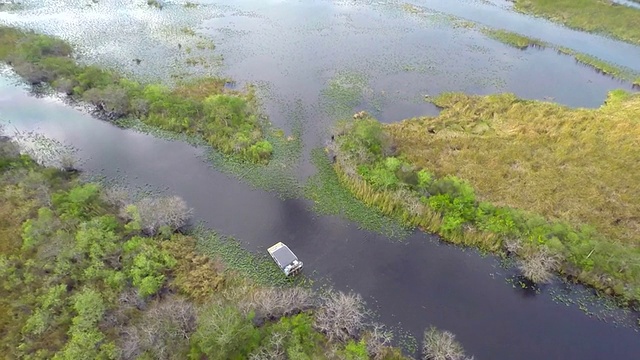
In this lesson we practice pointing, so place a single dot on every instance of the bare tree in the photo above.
(155, 213)
(31, 73)
(112, 99)
(8, 148)
(378, 340)
(64, 85)
(442, 345)
(116, 196)
(341, 316)
(539, 265)
(165, 326)
(45, 151)
(273, 350)
(274, 303)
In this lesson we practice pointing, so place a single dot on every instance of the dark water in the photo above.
(294, 50)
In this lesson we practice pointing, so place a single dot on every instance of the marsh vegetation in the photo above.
(89, 272)
(603, 17)
(227, 120)
(524, 42)
(549, 184)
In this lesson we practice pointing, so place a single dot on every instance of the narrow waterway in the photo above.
(395, 58)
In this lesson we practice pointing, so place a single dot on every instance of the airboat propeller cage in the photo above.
(285, 258)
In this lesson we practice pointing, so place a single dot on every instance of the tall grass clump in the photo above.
(523, 42)
(227, 120)
(602, 17)
(513, 39)
(548, 184)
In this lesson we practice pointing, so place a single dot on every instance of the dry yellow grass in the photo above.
(576, 165)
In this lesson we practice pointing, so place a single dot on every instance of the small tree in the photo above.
(275, 303)
(341, 316)
(539, 265)
(378, 341)
(157, 213)
(164, 329)
(442, 345)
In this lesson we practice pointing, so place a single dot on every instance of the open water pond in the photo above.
(316, 61)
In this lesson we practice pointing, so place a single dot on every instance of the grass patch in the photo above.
(259, 268)
(155, 3)
(190, 5)
(599, 65)
(603, 17)
(227, 120)
(523, 42)
(551, 184)
(331, 198)
(344, 92)
(513, 39)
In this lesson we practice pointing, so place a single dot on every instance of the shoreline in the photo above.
(375, 168)
(226, 119)
(617, 22)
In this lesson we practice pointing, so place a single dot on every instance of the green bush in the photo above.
(223, 333)
(147, 265)
(203, 108)
(356, 350)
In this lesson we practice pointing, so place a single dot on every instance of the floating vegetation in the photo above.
(513, 39)
(620, 22)
(259, 268)
(155, 3)
(332, 198)
(344, 92)
(10, 5)
(191, 5)
(188, 31)
(278, 175)
(523, 42)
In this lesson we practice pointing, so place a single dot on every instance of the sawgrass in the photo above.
(563, 163)
(513, 39)
(512, 176)
(597, 16)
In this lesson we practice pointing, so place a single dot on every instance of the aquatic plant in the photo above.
(513, 39)
(523, 42)
(412, 171)
(594, 16)
(155, 3)
(330, 197)
(227, 120)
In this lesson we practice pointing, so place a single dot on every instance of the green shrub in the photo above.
(227, 120)
(147, 265)
(356, 350)
(223, 333)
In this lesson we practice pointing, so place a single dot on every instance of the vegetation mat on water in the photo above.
(89, 273)
(330, 197)
(513, 39)
(227, 120)
(597, 16)
(551, 184)
(524, 42)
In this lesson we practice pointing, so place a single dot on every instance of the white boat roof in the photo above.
(282, 254)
